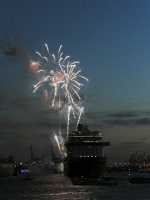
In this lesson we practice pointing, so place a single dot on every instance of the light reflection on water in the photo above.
(59, 187)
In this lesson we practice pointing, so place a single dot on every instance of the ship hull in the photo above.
(89, 167)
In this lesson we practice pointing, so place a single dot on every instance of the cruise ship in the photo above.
(85, 153)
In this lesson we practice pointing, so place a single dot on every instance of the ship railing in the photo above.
(81, 141)
(86, 136)
(92, 141)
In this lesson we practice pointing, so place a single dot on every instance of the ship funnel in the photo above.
(80, 127)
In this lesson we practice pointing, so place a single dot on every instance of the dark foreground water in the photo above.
(59, 187)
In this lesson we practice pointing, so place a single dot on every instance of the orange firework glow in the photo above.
(53, 84)
(33, 66)
(45, 94)
(59, 77)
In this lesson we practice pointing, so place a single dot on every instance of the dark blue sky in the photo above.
(111, 39)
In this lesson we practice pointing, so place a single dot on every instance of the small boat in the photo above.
(94, 181)
(139, 179)
(141, 170)
(28, 177)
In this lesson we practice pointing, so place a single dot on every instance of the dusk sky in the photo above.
(110, 38)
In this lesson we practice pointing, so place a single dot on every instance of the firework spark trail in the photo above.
(60, 144)
(65, 155)
(59, 101)
(39, 54)
(68, 119)
(56, 139)
(81, 110)
(62, 77)
(47, 48)
(59, 50)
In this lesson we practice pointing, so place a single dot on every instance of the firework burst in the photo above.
(63, 79)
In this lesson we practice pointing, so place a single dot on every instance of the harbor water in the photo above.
(59, 187)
